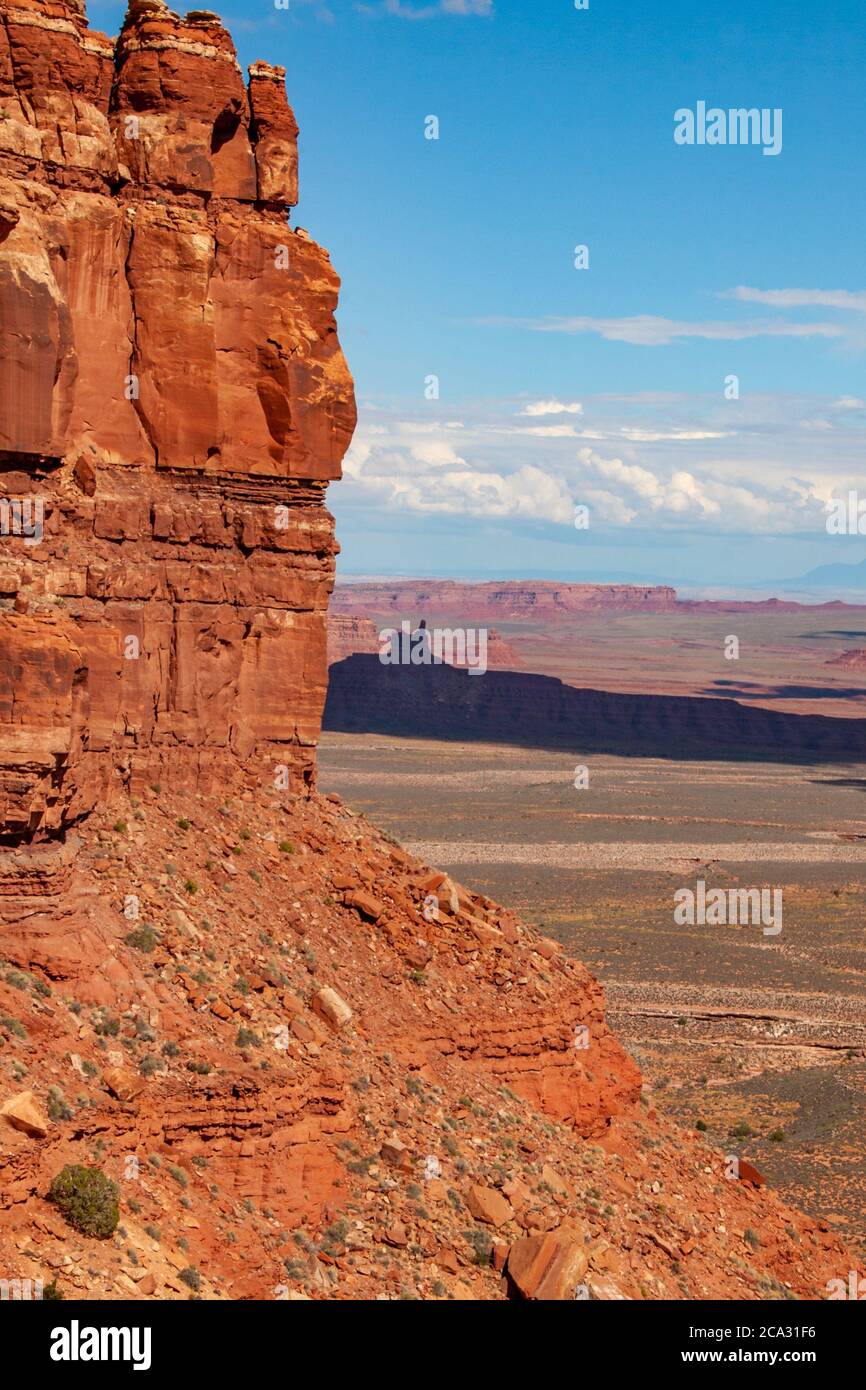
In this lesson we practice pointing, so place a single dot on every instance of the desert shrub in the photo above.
(57, 1107)
(88, 1200)
(142, 939)
(104, 1025)
(191, 1278)
(482, 1244)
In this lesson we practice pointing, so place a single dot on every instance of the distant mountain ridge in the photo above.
(533, 600)
(837, 576)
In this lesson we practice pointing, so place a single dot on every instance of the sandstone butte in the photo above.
(349, 634)
(313, 1066)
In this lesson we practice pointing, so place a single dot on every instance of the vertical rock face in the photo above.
(173, 403)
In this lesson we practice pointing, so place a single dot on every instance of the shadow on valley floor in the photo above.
(439, 702)
(755, 690)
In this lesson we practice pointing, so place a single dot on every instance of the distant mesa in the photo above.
(348, 634)
(508, 601)
(439, 702)
(854, 659)
(537, 601)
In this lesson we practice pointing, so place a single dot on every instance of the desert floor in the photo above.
(759, 1038)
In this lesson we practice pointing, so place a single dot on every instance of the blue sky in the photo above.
(457, 258)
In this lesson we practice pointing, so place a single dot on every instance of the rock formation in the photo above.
(173, 403)
(509, 601)
(853, 658)
(349, 634)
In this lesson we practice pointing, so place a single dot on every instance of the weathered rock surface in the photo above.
(22, 1113)
(173, 402)
(509, 601)
(348, 634)
(548, 1267)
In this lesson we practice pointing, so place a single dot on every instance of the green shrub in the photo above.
(482, 1244)
(105, 1026)
(57, 1107)
(142, 939)
(88, 1200)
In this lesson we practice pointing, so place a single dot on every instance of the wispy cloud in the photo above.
(644, 436)
(553, 408)
(854, 300)
(652, 330)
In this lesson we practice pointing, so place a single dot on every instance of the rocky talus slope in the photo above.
(311, 1065)
(314, 1067)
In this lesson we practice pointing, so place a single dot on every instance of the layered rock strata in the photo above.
(173, 403)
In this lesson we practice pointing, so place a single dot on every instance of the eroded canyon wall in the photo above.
(173, 403)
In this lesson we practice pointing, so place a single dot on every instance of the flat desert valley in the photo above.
(756, 1039)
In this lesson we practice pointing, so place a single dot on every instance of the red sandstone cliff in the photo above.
(172, 397)
(508, 601)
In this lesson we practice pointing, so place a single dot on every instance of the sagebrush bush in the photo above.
(88, 1199)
